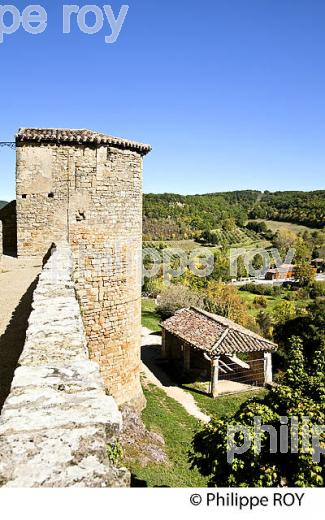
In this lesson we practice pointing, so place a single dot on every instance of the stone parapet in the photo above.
(58, 421)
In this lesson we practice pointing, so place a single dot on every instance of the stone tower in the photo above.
(86, 187)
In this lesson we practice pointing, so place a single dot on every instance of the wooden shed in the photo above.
(218, 350)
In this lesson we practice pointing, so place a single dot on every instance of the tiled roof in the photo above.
(214, 334)
(62, 135)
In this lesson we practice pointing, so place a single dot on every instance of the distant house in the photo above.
(284, 272)
(215, 349)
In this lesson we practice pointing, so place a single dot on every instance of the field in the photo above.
(275, 225)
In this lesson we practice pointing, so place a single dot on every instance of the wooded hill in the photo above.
(172, 216)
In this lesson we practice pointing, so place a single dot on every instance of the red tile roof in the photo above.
(81, 136)
(214, 334)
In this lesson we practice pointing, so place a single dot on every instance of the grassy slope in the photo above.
(150, 318)
(275, 225)
(168, 418)
(272, 301)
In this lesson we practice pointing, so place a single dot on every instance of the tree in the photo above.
(284, 311)
(305, 274)
(176, 297)
(301, 395)
(283, 240)
(226, 301)
(310, 328)
(265, 323)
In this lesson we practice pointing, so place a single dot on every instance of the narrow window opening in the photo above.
(51, 195)
(24, 196)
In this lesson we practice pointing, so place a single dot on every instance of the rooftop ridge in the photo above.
(230, 324)
(79, 136)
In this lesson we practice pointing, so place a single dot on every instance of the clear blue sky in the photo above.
(230, 93)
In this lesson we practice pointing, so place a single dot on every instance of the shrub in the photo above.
(176, 297)
(260, 301)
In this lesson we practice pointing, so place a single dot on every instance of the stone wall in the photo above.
(8, 218)
(91, 195)
(57, 421)
(1, 247)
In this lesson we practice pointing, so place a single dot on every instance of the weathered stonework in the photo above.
(57, 421)
(8, 219)
(87, 188)
(1, 249)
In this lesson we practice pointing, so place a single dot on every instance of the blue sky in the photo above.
(230, 93)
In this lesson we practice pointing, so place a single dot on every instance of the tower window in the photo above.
(24, 196)
(51, 195)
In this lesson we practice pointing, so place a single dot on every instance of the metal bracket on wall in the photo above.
(11, 145)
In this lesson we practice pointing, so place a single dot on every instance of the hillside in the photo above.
(297, 207)
(170, 216)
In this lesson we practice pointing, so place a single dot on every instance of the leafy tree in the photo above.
(225, 300)
(310, 328)
(301, 395)
(305, 275)
(284, 311)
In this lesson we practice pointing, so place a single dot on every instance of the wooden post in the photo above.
(268, 376)
(187, 358)
(164, 348)
(214, 376)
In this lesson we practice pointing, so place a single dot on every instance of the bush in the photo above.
(176, 297)
(317, 290)
(260, 301)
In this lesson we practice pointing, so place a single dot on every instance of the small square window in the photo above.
(24, 196)
(51, 195)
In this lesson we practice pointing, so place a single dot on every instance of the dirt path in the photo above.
(151, 344)
(17, 282)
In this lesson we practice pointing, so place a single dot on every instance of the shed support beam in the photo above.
(187, 358)
(214, 376)
(164, 347)
(268, 378)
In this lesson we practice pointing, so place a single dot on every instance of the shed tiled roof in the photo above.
(214, 334)
(82, 136)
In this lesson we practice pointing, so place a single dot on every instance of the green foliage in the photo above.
(301, 395)
(265, 290)
(305, 275)
(310, 328)
(307, 208)
(171, 216)
(115, 453)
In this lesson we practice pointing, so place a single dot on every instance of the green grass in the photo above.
(275, 225)
(150, 318)
(223, 406)
(249, 298)
(168, 418)
(272, 301)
